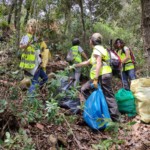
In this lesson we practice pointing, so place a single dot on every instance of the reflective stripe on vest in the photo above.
(76, 54)
(28, 56)
(105, 63)
(128, 65)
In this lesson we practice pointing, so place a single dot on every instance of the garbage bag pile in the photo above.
(141, 90)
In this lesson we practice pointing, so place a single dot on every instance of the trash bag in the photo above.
(65, 84)
(67, 102)
(46, 55)
(72, 105)
(141, 90)
(96, 113)
(126, 102)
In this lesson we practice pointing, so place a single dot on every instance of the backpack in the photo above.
(69, 57)
(131, 55)
(115, 61)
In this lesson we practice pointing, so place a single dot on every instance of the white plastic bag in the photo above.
(141, 90)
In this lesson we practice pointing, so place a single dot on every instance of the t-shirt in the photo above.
(100, 51)
(125, 48)
(80, 49)
(25, 39)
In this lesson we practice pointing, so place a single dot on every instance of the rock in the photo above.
(52, 139)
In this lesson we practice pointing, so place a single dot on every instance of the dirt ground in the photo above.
(130, 134)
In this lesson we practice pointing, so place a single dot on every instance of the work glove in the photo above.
(95, 83)
(71, 67)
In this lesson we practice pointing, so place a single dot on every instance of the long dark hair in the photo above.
(121, 43)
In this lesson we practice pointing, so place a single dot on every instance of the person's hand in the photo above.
(71, 67)
(95, 83)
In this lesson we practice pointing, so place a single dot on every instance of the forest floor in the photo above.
(69, 133)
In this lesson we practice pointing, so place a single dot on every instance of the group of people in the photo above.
(100, 73)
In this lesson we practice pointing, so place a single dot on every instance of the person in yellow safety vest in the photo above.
(100, 72)
(78, 53)
(128, 69)
(30, 59)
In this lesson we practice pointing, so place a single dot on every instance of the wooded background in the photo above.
(41, 124)
(62, 20)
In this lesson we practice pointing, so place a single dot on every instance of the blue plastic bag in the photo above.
(96, 113)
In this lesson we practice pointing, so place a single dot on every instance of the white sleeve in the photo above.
(125, 48)
(97, 52)
(80, 49)
(24, 40)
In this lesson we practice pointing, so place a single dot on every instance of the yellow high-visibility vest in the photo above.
(76, 54)
(128, 65)
(105, 62)
(28, 56)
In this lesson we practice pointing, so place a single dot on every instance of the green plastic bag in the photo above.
(126, 102)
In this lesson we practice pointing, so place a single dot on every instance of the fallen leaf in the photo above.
(40, 126)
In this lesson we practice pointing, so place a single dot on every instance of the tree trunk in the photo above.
(90, 5)
(17, 22)
(145, 4)
(83, 22)
(11, 11)
(28, 8)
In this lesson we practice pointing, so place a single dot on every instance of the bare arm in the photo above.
(22, 46)
(84, 63)
(25, 42)
(84, 55)
(127, 53)
(98, 65)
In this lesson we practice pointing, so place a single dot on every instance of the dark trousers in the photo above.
(106, 84)
(35, 81)
(126, 77)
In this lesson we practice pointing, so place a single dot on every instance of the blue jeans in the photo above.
(35, 82)
(126, 76)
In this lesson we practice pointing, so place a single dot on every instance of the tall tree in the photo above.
(28, 6)
(82, 19)
(17, 21)
(145, 4)
(11, 11)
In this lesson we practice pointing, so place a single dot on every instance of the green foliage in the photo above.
(52, 112)
(71, 119)
(3, 105)
(14, 93)
(55, 85)
(32, 109)
(113, 130)
(2, 8)
(19, 141)
(3, 25)
(52, 109)
(106, 144)
(72, 92)
(109, 32)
